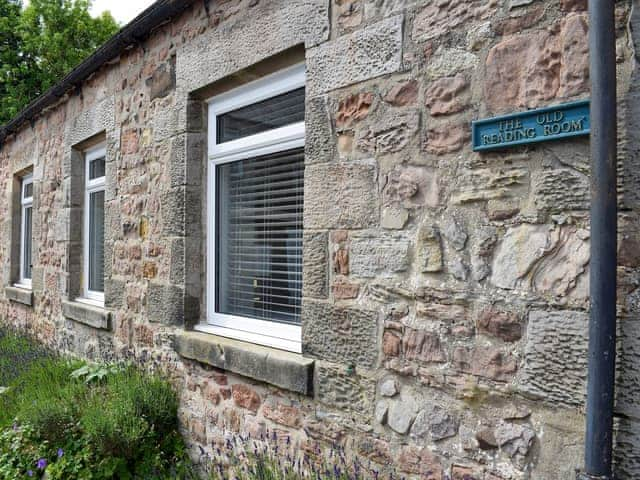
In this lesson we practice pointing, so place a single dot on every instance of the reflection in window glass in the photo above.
(96, 241)
(26, 245)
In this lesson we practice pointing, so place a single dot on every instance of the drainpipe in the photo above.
(602, 322)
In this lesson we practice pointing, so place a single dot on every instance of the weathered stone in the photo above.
(520, 259)
(353, 108)
(402, 94)
(344, 196)
(345, 290)
(402, 412)
(87, 314)
(501, 324)
(486, 439)
(560, 190)
(447, 62)
(391, 134)
(340, 261)
(371, 256)
(19, 295)
(555, 356)
(339, 334)
(287, 415)
(315, 275)
(391, 344)
(455, 234)
(514, 439)
(422, 346)
(367, 53)
(573, 5)
(488, 362)
(439, 18)
(245, 397)
(629, 250)
(522, 71)
(574, 66)
(381, 412)
(429, 250)
(411, 187)
(255, 36)
(350, 13)
(485, 184)
(344, 390)
(376, 450)
(282, 369)
(441, 312)
(516, 24)
(163, 80)
(318, 147)
(388, 388)
(436, 422)
(448, 95)
(443, 139)
(394, 217)
(419, 460)
(458, 472)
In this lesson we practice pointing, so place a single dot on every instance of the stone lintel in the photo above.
(95, 317)
(286, 370)
(19, 295)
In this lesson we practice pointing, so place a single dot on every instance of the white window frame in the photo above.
(25, 202)
(263, 332)
(90, 186)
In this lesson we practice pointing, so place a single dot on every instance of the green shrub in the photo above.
(90, 422)
(17, 354)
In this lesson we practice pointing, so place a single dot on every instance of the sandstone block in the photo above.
(501, 324)
(345, 391)
(287, 415)
(482, 184)
(439, 18)
(370, 52)
(372, 256)
(353, 108)
(388, 388)
(403, 93)
(319, 146)
(344, 290)
(392, 133)
(315, 264)
(344, 196)
(163, 80)
(423, 346)
(420, 461)
(448, 95)
(560, 190)
(429, 250)
(555, 356)
(488, 362)
(338, 334)
(245, 397)
(391, 344)
(434, 422)
(447, 62)
(411, 186)
(522, 71)
(443, 139)
(574, 66)
(394, 217)
(402, 412)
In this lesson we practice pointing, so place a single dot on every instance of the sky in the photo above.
(122, 10)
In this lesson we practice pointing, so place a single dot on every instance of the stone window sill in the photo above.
(87, 314)
(19, 295)
(286, 370)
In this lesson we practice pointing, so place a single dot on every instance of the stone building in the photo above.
(277, 203)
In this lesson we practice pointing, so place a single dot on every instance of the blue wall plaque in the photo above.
(539, 125)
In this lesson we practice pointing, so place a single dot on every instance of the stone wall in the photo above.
(445, 291)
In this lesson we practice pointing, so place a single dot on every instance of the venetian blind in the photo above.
(259, 237)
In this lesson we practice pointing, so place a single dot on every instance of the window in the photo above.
(26, 222)
(93, 251)
(255, 210)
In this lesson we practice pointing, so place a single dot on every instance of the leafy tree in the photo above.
(45, 41)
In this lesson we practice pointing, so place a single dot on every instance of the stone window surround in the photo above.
(90, 128)
(287, 370)
(14, 291)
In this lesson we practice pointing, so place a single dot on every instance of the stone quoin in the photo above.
(418, 302)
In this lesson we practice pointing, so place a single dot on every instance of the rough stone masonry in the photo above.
(445, 291)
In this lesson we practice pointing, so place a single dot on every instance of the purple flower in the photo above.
(42, 464)
(60, 453)
(30, 473)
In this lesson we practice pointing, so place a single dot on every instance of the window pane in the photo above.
(259, 237)
(28, 190)
(26, 246)
(96, 168)
(272, 113)
(96, 241)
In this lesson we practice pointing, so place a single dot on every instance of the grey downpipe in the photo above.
(602, 322)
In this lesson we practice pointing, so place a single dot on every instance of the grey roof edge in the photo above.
(132, 33)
